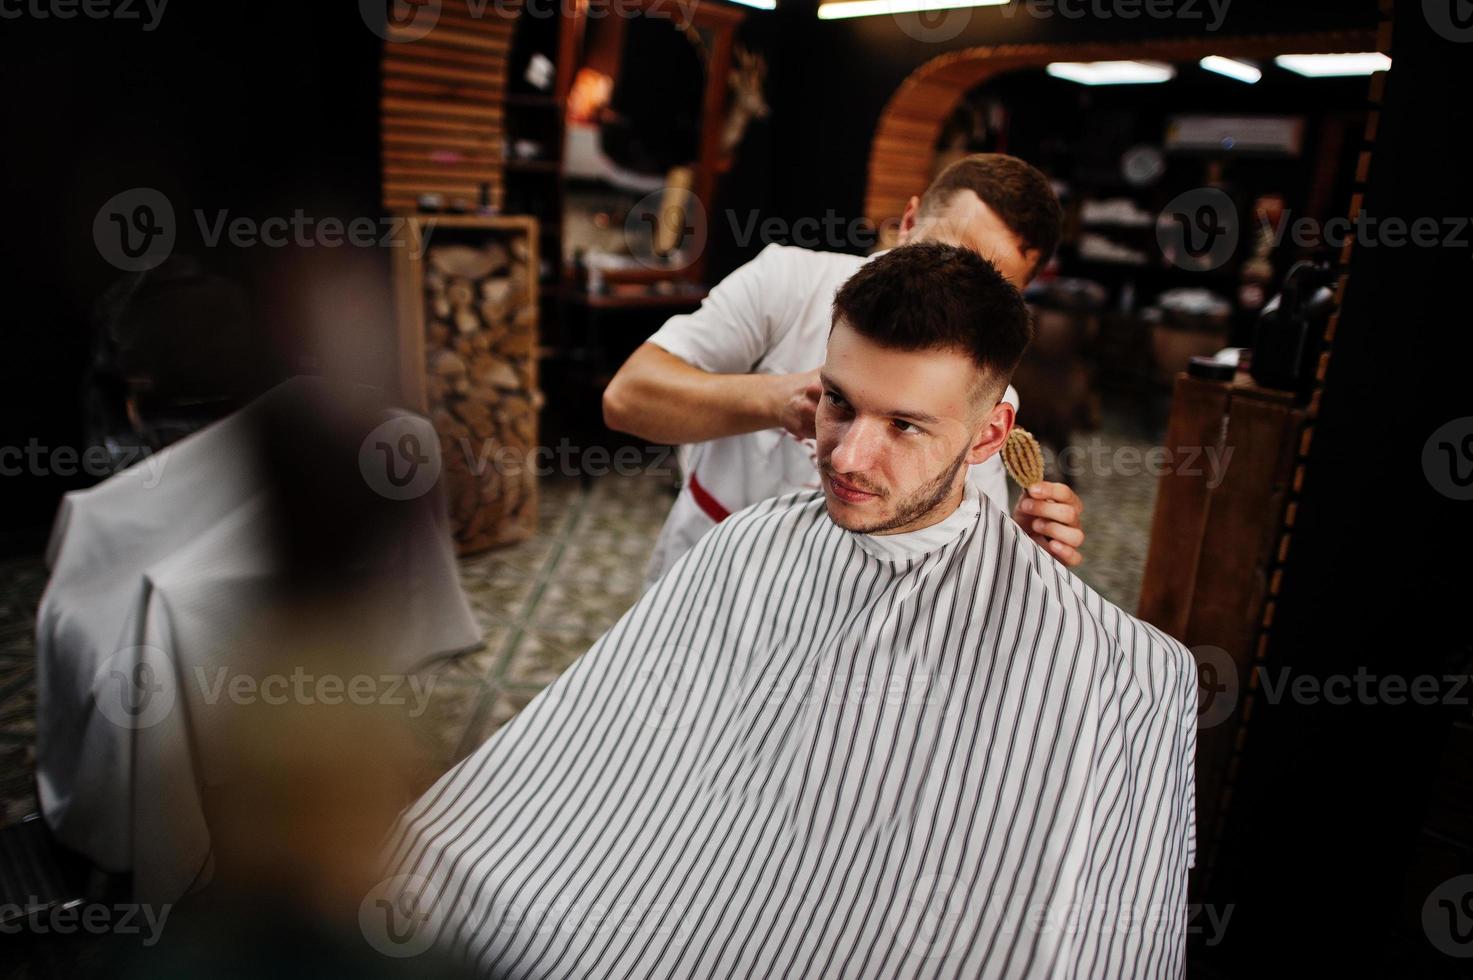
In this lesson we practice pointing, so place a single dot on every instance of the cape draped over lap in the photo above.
(809, 752)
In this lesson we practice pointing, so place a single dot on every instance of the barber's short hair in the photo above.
(1017, 192)
(933, 296)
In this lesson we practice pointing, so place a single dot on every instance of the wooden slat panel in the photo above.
(427, 52)
(442, 105)
(402, 173)
(494, 75)
(396, 155)
(430, 107)
(470, 188)
(452, 36)
(444, 91)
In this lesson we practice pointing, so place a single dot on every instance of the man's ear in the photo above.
(908, 220)
(991, 432)
(1032, 255)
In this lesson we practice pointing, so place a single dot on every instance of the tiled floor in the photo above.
(545, 601)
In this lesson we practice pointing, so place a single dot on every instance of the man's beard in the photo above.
(917, 504)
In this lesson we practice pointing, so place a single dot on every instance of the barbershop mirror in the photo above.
(1126, 304)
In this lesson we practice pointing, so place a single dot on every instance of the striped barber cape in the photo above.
(808, 752)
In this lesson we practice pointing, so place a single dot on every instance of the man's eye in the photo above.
(835, 400)
(904, 426)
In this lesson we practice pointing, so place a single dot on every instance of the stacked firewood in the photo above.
(481, 386)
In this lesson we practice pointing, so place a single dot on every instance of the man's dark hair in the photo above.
(1017, 192)
(932, 296)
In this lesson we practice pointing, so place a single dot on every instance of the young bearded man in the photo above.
(737, 379)
(869, 730)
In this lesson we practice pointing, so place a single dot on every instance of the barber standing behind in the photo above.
(738, 378)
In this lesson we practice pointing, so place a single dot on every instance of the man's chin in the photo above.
(852, 517)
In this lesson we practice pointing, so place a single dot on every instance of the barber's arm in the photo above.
(663, 398)
(698, 377)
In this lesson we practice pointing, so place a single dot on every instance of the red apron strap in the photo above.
(706, 502)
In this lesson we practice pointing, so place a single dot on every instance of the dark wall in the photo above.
(258, 109)
(1349, 815)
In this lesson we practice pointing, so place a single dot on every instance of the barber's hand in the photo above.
(798, 401)
(1049, 512)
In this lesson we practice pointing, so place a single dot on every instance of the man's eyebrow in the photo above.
(898, 413)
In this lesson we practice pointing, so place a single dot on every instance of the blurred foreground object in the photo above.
(269, 561)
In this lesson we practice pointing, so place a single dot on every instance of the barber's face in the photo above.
(896, 431)
(966, 220)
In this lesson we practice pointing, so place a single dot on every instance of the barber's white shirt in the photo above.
(771, 316)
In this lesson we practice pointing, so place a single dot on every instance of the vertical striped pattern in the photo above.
(802, 755)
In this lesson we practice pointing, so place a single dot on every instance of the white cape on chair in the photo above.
(808, 752)
(165, 568)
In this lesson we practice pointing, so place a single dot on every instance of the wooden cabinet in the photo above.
(1216, 545)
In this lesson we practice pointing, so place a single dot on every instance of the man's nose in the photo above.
(858, 447)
